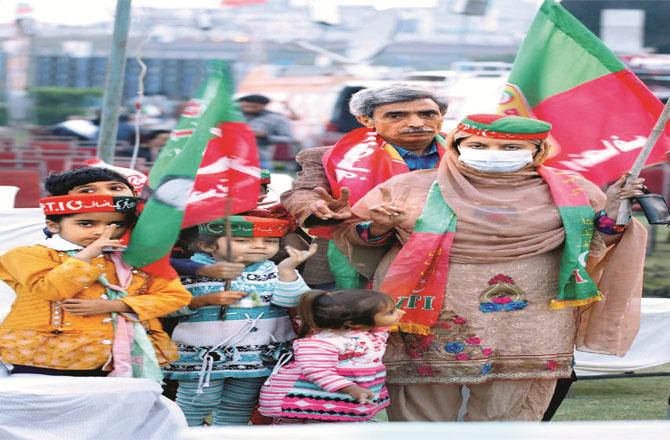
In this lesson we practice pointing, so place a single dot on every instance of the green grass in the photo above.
(644, 398)
(657, 265)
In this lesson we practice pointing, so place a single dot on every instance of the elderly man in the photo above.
(401, 134)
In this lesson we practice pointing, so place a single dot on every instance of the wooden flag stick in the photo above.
(625, 206)
(229, 235)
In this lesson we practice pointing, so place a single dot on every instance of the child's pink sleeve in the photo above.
(381, 333)
(317, 360)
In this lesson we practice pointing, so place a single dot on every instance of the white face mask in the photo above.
(495, 161)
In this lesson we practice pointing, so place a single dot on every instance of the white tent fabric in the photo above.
(55, 408)
(18, 227)
(651, 347)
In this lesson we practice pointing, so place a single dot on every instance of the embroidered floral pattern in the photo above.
(452, 336)
(425, 370)
(502, 295)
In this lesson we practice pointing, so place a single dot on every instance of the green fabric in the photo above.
(578, 225)
(159, 224)
(437, 217)
(346, 276)
(555, 40)
(509, 124)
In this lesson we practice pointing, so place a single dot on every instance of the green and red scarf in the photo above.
(359, 161)
(417, 277)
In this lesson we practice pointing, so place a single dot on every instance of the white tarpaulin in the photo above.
(57, 408)
(651, 347)
(18, 227)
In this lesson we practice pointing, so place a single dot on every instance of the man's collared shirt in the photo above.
(428, 160)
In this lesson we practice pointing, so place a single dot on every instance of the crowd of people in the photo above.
(422, 263)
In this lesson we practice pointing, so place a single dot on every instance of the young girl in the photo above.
(337, 374)
(229, 335)
(80, 310)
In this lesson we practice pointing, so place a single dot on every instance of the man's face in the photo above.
(251, 107)
(411, 124)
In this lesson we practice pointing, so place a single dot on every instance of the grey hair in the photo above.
(364, 102)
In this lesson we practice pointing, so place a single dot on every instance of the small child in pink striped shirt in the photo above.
(337, 374)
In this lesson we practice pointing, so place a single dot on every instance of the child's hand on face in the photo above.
(225, 298)
(362, 395)
(87, 307)
(105, 241)
(222, 269)
(295, 258)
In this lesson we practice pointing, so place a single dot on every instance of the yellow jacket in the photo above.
(38, 332)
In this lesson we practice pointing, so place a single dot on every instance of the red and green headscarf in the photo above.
(504, 127)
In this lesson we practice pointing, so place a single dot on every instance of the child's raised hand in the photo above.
(224, 298)
(362, 395)
(222, 269)
(104, 242)
(296, 257)
(286, 267)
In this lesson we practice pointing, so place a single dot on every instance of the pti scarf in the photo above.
(417, 277)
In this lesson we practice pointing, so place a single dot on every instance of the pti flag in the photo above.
(600, 111)
(214, 174)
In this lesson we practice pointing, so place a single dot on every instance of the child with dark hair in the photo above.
(79, 309)
(88, 180)
(235, 326)
(337, 374)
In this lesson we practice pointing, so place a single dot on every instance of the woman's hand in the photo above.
(225, 298)
(389, 213)
(295, 258)
(362, 395)
(620, 191)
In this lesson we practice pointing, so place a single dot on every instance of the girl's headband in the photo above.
(80, 203)
(247, 226)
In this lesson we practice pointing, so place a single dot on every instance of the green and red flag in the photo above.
(600, 111)
(214, 173)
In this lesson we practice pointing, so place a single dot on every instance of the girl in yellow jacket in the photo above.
(80, 310)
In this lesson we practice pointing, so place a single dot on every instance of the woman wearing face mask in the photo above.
(502, 266)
